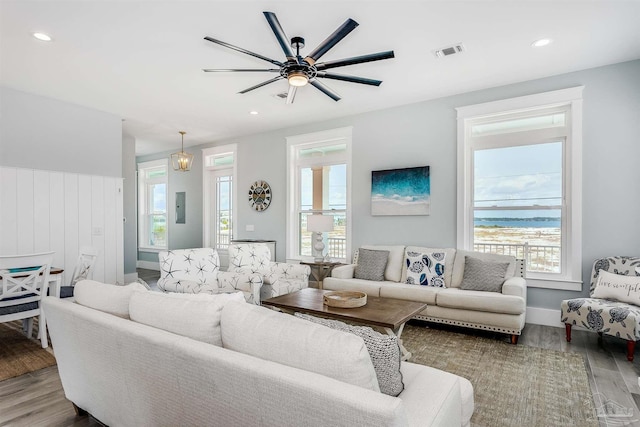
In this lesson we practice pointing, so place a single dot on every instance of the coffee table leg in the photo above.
(406, 354)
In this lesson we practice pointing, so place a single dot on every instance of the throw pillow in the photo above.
(426, 269)
(195, 316)
(483, 275)
(281, 338)
(617, 287)
(371, 264)
(383, 350)
(112, 299)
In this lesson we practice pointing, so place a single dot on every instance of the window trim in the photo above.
(143, 204)
(206, 189)
(293, 185)
(572, 97)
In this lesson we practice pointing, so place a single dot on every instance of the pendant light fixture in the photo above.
(181, 161)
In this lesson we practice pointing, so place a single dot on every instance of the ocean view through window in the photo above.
(519, 188)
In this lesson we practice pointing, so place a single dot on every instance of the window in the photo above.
(318, 176)
(219, 197)
(152, 205)
(519, 183)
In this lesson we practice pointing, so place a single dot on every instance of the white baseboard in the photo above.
(149, 265)
(131, 277)
(544, 316)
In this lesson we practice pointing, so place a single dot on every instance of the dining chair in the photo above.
(25, 279)
(82, 271)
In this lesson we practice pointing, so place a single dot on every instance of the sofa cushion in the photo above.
(450, 255)
(369, 287)
(481, 301)
(195, 316)
(458, 264)
(425, 294)
(425, 268)
(393, 271)
(371, 264)
(617, 287)
(483, 275)
(285, 339)
(383, 350)
(112, 299)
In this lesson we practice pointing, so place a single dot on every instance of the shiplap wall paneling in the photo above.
(71, 223)
(63, 212)
(24, 203)
(8, 212)
(56, 219)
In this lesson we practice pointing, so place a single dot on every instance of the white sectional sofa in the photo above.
(494, 311)
(124, 360)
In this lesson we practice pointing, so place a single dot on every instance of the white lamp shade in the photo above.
(319, 223)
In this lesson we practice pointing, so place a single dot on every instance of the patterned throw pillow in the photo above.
(383, 350)
(425, 269)
(483, 275)
(371, 264)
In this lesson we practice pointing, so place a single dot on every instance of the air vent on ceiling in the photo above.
(282, 95)
(449, 50)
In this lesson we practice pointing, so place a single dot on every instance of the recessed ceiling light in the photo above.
(253, 113)
(42, 36)
(541, 42)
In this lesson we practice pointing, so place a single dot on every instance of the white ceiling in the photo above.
(142, 60)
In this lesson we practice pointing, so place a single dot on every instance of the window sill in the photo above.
(557, 284)
(153, 250)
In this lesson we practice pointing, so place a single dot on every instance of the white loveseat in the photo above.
(127, 373)
(494, 311)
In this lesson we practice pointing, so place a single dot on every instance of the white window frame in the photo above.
(143, 202)
(209, 153)
(571, 276)
(310, 140)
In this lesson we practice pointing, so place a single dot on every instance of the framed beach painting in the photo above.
(401, 191)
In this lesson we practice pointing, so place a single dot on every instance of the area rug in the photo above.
(19, 354)
(514, 385)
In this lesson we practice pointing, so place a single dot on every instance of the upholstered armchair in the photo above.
(198, 271)
(278, 278)
(607, 315)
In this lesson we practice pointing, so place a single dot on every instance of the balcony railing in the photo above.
(539, 258)
(336, 247)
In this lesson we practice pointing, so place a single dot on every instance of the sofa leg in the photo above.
(514, 339)
(567, 328)
(631, 346)
(79, 411)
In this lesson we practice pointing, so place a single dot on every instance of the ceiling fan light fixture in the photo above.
(298, 78)
(181, 161)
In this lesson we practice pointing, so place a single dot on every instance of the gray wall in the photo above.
(189, 234)
(425, 134)
(47, 134)
(129, 203)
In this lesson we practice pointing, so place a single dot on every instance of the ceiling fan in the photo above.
(298, 70)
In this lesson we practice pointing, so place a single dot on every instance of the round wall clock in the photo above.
(260, 195)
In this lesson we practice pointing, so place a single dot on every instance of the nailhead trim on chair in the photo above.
(469, 325)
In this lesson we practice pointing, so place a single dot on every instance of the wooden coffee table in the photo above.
(387, 313)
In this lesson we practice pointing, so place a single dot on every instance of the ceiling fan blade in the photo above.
(331, 41)
(355, 60)
(239, 49)
(272, 19)
(352, 79)
(275, 79)
(324, 89)
(291, 95)
(235, 70)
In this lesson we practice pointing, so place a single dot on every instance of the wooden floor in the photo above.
(37, 399)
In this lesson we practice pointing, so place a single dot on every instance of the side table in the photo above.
(320, 270)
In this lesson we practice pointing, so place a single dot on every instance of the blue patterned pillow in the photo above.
(426, 269)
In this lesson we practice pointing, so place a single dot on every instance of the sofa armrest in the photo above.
(344, 271)
(515, 286)
(284, 270)
(248, 283)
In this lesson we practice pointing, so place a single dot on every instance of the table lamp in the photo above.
(319, 224)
